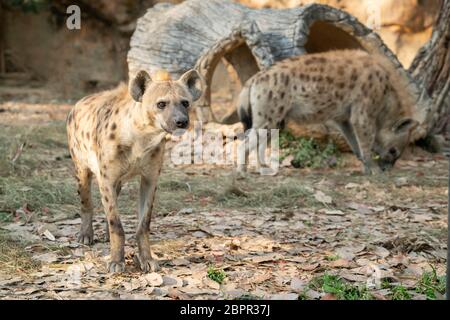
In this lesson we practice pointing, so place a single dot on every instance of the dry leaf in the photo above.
(172, 281)
(298, 285)
(49, 235)
(265, 258)
(46, 257)
(323, 198)
(340, 263)
(333, 212)
(284, 296)
(153, 279)
(180, 262)
(210, 283)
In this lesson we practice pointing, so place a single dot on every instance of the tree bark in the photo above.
(2, 50)
(431, 70)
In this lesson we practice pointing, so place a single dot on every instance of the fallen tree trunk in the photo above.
(199, 34)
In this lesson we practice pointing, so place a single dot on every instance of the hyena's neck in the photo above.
(138, 125)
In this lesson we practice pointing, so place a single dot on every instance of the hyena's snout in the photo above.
(180, 118)
(181, 122)
(387, 161)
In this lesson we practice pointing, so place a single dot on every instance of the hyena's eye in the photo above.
(161, 105)
(185, 103)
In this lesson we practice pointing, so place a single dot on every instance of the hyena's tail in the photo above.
(244, 108)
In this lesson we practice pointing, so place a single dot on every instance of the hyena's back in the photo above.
(319, 87)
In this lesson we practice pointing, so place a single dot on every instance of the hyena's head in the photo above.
(391, 141)
(165, 102)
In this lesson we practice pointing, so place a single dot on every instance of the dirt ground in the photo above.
(302, 234)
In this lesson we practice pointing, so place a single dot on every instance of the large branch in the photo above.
(198, 32)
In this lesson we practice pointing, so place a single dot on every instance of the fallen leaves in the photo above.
(355, 228)
(46, 257)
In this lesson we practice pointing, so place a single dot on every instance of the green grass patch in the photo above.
(216, 274)
(430, 284)
(6, 216)
(26, 149)
(36, 192)
(276, 196)
(308, 152)
(339, 288)
(399, 292)
(332, 257)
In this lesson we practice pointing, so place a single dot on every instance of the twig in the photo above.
(18, 153)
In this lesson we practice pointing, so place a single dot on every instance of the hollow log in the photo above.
(199, 34)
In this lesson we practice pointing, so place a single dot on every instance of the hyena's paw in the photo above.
(146, 264)
(116, 267)
(241, 174)
(86, 237)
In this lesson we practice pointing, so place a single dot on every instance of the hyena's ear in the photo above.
(194, 82)
(139, 84)
(405, 125)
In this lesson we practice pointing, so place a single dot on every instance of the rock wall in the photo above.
(404, 25)
(74, 63)
(70, 63)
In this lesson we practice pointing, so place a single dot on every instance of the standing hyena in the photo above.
(362, 94)
(116, 135)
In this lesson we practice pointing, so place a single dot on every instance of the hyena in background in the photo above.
(116, 135)
(361, 93)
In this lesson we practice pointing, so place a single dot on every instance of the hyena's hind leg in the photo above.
(247, 145)
(147, 192)
(84, 177)
(252, 142)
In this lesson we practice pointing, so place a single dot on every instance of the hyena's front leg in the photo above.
(108, 190)
(364, 131)
(146, 201)
(84, 177)
(347, 131)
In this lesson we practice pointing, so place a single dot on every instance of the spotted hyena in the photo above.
(360, 93)
(118, 134)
